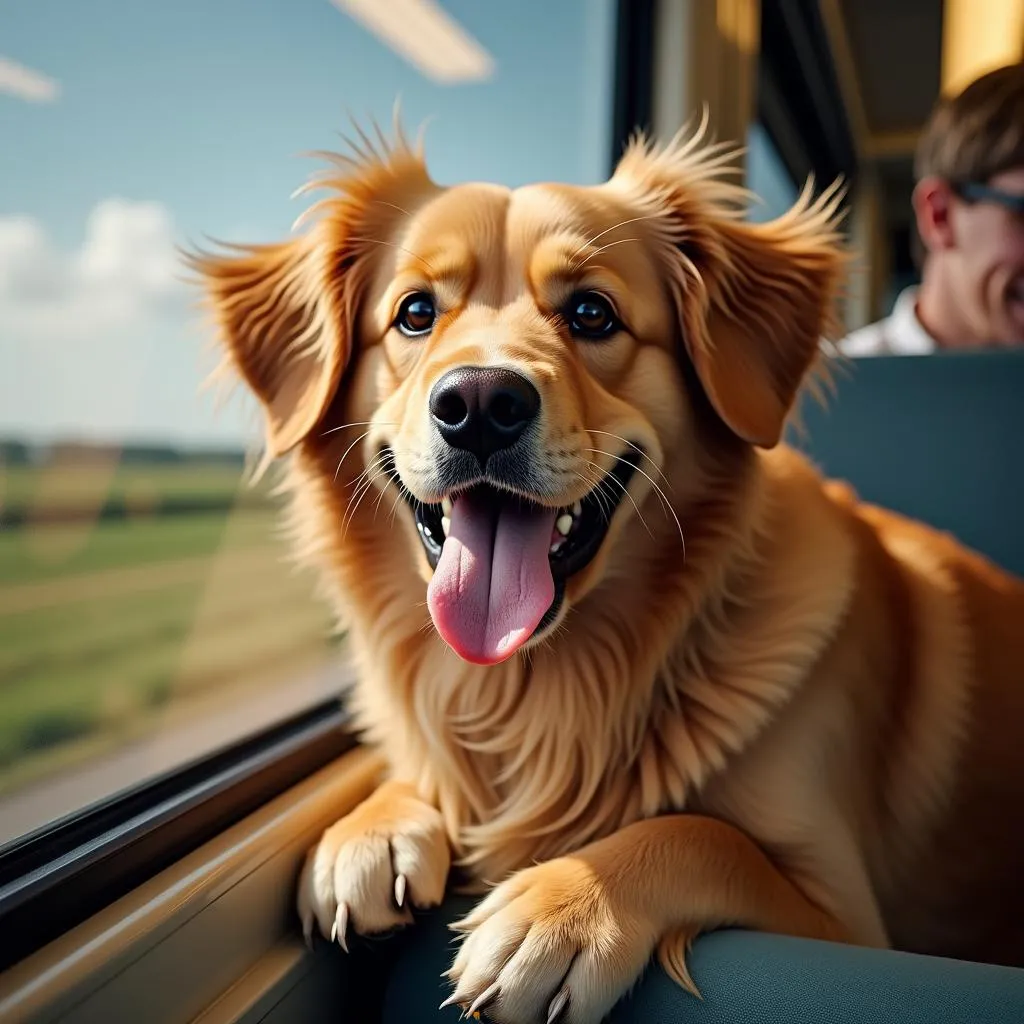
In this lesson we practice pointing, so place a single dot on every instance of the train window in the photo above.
(147, 614)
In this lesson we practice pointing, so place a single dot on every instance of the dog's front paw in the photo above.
(553, 943)
(372, 866)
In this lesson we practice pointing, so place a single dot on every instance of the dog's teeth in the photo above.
(446, 507)
(554, 547)
(577, 509)
(564, 524)
(446, 524)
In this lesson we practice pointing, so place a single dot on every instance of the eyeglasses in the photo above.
(975, 192)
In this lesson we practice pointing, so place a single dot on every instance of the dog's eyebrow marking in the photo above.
(450, 265)
(576, 267)
(560, 262)
(451, 270)
(549, 276)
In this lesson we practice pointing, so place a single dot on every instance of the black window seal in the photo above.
(808, 126)
(58, 876)
(633, 89)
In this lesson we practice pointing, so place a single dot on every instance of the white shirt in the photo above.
(899, 334)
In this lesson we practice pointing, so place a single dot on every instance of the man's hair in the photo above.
(978, 133)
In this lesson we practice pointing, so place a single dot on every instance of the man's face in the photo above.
(987, 260)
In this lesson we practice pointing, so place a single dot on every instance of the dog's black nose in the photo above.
(483, 409)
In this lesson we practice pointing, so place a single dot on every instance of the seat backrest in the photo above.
(939, 438)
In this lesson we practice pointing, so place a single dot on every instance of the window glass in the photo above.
(767, 176)
(147, 614)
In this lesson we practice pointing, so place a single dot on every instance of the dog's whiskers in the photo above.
(368, 477)
(625, 490)
(394, 206)
(357, 480)
(365, 433)
(640, 451)
(341, 461)
(659, 492)
(604, 492)
(353, 509)
(373, 473)
(614, 227)
(394, 507)
(380, 498)
(394, 245)
(603, 248)
(359, 423)
(596, 485)
(657, 487)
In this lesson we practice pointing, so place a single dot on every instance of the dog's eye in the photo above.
(591, 316)
(416, 315)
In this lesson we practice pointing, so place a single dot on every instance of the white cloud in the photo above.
(126, 270)
(26, 84)
(102, 339)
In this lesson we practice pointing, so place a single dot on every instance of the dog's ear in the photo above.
(286, 313)
(770, 299)
(283, 328)
(755, 301)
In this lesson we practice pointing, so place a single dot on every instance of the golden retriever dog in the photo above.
(633, 665)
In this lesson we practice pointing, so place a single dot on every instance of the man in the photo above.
(969, 209)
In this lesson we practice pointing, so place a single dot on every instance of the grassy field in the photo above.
(102, 479)
(108, 626)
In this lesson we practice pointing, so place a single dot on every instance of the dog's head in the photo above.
(522, 369)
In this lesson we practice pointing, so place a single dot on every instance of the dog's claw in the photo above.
(307, 932)
(400, 886)
(482, 1000)
(450, 1001)
(340, 926)
(558, 1005)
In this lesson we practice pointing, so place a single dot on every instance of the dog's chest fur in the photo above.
(626, 714)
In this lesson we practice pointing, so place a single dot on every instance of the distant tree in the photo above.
(15, 453)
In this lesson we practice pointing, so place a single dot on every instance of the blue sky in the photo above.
(206, 104)
(177, 120)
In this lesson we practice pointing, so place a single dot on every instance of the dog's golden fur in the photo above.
(831, 693)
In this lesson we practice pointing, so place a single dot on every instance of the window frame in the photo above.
(221, 917)
(57, 876)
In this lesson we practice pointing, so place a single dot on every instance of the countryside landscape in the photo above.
(139, 587)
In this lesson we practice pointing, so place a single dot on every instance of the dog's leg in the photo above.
(368, 869)
(566, 939)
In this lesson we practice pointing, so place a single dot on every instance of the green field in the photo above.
(63, 484)
(111, 625)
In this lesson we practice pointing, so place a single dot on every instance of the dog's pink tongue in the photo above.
(492, 584)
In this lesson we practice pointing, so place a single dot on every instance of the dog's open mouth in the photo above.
(501, 561)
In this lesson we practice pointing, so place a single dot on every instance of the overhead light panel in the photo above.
(425, 35)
